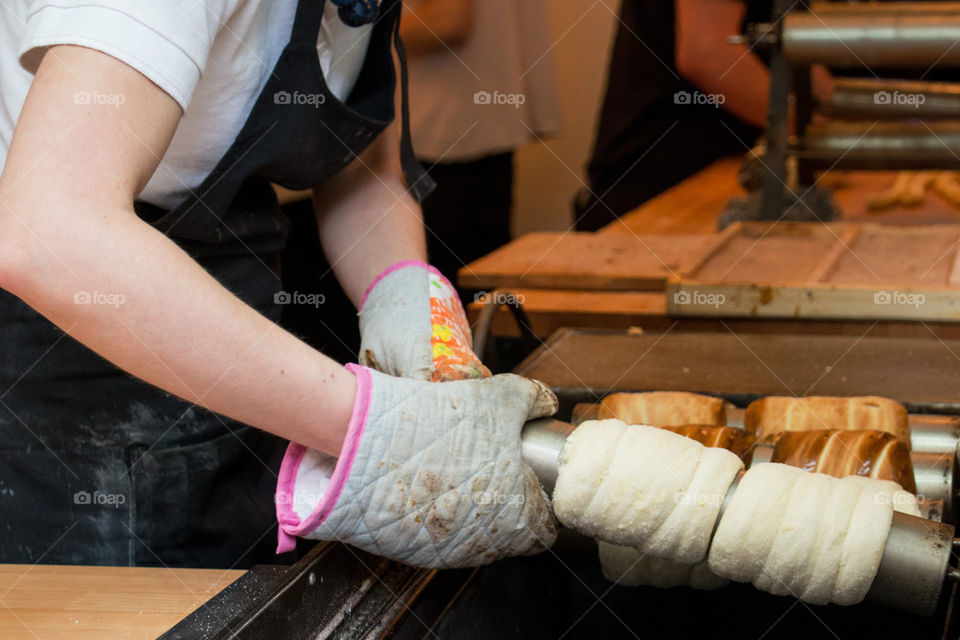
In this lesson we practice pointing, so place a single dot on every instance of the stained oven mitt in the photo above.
(413, 325)
(429, 474)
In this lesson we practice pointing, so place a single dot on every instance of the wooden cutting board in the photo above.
(812, 270)
(582, 260)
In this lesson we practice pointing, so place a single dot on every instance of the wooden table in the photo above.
(53, 601)
(690, 207)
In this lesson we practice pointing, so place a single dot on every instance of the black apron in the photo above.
(98, 467)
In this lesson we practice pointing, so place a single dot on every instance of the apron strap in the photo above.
(418, 180)
(306, 24)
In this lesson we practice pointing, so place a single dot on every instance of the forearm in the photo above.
(705, 58)
(162, 318)
(367, 220)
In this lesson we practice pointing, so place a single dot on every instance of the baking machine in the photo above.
(875, 122)
(336, 591)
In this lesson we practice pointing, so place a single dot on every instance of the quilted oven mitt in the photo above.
(413, 325)
(429, 474)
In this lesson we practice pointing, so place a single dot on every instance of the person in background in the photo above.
(481, 84)
(678, 97)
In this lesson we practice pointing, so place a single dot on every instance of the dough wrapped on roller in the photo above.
(874, 454)
(642, 487)
(810, 535)
(629, 568)
(768, 416)
(663, 408)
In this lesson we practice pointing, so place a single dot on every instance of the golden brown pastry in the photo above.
(663, 408)
(736, 440)
(873, 454)
(768, 416)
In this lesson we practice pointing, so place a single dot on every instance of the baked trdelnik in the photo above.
(663, 408)
(774, 414)
(872, 454)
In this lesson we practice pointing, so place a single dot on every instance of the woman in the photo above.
(138, 243)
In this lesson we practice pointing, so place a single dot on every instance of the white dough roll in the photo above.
(642, 487)
(751, 522)
(685, 535)
(806, 534)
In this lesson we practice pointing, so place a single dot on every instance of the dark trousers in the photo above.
(468, 215)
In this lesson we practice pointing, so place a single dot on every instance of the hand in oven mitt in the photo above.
(429, 474)
(412, 325)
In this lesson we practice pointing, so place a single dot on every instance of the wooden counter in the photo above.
(52, 601)
(685, 210)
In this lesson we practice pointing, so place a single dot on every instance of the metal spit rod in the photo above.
(916, 557)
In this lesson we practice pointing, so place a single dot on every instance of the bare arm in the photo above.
(706, 60)
(434, 25)
(67, 224)
(367, 219)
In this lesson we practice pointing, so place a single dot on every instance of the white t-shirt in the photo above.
(212, 56)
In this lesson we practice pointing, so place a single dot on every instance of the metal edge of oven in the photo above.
(334, 591)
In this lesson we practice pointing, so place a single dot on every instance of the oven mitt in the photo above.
(429, 474)
(412, 325)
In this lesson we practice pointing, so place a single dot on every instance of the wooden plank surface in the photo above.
(572, 260)
(549, 310)
(692, 205)
(102, 603)
(840, 270)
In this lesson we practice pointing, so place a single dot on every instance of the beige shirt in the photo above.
(488, 94)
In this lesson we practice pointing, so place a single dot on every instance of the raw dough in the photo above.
(807, 534)
(642, 487)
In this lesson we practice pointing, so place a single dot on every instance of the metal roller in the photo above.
(934, 434)
(883, 145)
(866, 98)
(915, 561)
(906, 38)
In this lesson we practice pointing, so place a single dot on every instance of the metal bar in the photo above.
(871, 39)
(866, 98)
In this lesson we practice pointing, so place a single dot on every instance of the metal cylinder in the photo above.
(934, 434)
(914, 565)
(866, 98)
(903, 39)
(934, 475)
(541, 442)
(883, 145)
